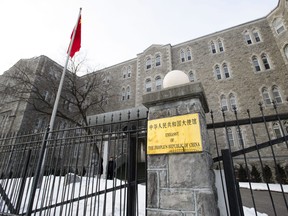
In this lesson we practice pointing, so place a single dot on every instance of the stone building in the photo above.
(238, 68)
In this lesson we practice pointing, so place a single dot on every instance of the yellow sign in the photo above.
(174, 135)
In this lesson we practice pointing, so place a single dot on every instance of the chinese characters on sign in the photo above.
(174, 135)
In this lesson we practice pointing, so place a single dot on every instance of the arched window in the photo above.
(189, 55)
(218, 72)
(278, 25)
(266, 96)
(230, 136)
(148, 63)
(148, 85)
(123, 94)
(182, 56)
(277, 130)
(247, 37)
(158, 81)
(220, 45)
(191, 76)
(128, 93)
(223, 101)
(276, 95)
(124, 72)
(233, 102)
(157, 60)
(226, 71)
(286, 51)
(213, 48)
(129, 71)
(256, 63)
(265, 61)
(256, 36)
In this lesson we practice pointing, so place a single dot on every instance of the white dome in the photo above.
(174, 78)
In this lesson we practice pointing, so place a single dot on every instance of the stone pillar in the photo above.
(180, 183)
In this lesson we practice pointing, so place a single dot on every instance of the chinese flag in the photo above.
(76, 44)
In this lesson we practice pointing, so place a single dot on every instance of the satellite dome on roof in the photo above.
(174, 78)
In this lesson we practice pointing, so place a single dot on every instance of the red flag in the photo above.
(76, 44)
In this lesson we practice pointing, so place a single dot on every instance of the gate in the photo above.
(252, 150)
(96, 170)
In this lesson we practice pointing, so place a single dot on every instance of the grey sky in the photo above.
(114, 31)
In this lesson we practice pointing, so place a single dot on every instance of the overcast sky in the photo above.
(114, 30)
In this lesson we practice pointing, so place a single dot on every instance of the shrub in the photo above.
(267, 174)
(280, 175)
(255, 175)
(242, 174)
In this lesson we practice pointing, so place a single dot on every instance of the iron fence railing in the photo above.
(261, 157)
(96, 170)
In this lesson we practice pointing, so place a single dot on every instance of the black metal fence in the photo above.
(256, 152)
(101, 169)
(96, 170)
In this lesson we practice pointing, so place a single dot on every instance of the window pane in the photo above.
(182, 56)
(189, 56)
(286, 51)
(230, 137)
(224, 103)
(148, 63)
(233, 104)
(276, 95)
(158, 60)
(248, 38)
(218, 72)
(265, 62)
(266, 97)
(226, 71)
(158, 83)
(256, 36)
(256, 64)
(220, 44)
(213, 48)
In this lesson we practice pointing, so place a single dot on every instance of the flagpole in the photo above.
(43, 151)
(55, 107)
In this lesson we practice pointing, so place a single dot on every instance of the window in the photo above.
(223, 102)
(220, 45)
(277, 130)
(276, 95)
(148, 85)
(182, 56)
(217, 72)
(265, 62)
(278, 25)
(213, 48)
(286, 51)
(226, 71)
(247, 37)
(148, 63)
(158, 81)
(240, 137)
(230, 137)
(124, 72)
(158, 60)
(233, 103)
(266, 96)
(129, 72)
(123, 94)
(256, 36)
(128, 92)
(256, 63)
(189, 55)
(192, 76)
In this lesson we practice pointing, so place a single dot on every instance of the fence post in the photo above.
(234, 197)
(180, 179)
(131, 180)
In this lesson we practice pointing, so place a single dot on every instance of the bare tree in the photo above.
(80, 97)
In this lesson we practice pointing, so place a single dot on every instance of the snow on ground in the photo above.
(61, 192)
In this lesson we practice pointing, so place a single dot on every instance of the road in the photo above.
(263, 202)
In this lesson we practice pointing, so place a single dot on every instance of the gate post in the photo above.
(180, 181)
